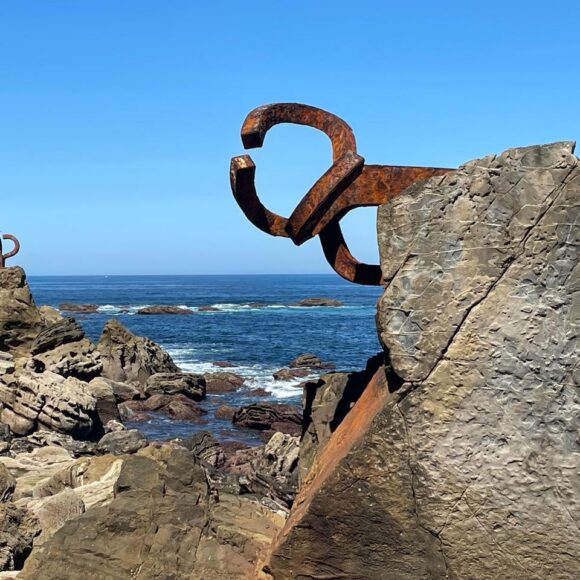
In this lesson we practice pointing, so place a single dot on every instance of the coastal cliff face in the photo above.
(462, 459)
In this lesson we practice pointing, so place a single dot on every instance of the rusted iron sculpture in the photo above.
(15, 249)
(348, 184)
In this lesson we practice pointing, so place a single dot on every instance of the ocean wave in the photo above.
(217, 308)
(256, 375)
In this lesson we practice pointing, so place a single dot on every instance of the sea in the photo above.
(256, 325)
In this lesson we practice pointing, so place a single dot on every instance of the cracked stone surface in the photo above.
(472, 468)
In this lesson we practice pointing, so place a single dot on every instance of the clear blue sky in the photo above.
(118, 118)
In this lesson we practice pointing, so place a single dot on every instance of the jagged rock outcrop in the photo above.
(129, 358)
(20, 320)
(468, 466)
(48, 401)
(62, 348)
(167, 520)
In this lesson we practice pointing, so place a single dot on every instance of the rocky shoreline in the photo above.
(454, 454)
(64, 446)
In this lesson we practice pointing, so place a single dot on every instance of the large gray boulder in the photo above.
(131, 359)
(468, 466)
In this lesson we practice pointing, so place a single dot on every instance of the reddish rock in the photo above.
(225, 412)
(183, 410)
(224, 364)
(223, 382)
(259, 392)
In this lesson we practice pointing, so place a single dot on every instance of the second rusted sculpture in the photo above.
(13, 252)
(348, 184)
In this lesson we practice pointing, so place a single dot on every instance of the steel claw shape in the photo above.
(346, 185)
(13, 252)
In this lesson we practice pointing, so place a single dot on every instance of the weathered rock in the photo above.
(223, 382)
(164, 522)
(106, 402)
(207, 308)
(224, 364)
(290, 374)
(48, 401)
(164, 309)
(129, 358)
(49, 315)
(18, 528)
(114, 426)
(225, 412)
(122, 391)
(62, 348)
(258, 392)
(188, 384)
(20, 320)
(40, 439)
(205, 446)
(7, 484)
(92, 478)
(470, 469)
(264, 416)
(184, 410)
(318, 302)
(57, 334)
(7, 366)
(307, 360)
(133, 411)
(122, 442)
(71, 307)
(326, 403)
(54, 511)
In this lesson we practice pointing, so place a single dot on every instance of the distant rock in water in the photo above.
(70, 307)
(164, 309)
(318, 302)
(307, 360)
(129, 358)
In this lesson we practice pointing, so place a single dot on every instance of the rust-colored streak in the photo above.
(13, 252)
(348, 184)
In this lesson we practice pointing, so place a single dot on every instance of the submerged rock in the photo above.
(164, 309)
(318, 302)
(71, 307)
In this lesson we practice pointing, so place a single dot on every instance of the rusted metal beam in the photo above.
(13, 252)
(346, 185)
